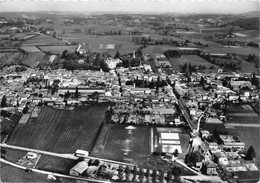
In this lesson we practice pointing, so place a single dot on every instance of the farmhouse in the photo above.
(81, 153)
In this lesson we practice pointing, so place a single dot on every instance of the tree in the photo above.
(117, 55)
(169, 176)
(254, 80)
(202, 80)
(176, 171)
(104, 66)
(203, 169)
(127, 172)
(76, 92)
(251, 154)
(139, 52)
(25, 109)
(64, 53)
(161, 175)
(154, 176)
(134, 173)
(3, 102)
(176, 153)
(148, 174)
(184, 68)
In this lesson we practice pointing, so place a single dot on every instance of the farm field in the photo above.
(98, 27)
(190, 59)
(57, 49)
(243, 114)
(24, 36)
(151, 49)
(61, 131)
(34, 58)
(9, 57)
(248, 35)
(94, 43)
(6, 127)
(240, 51)
(118, 143)
(55, 164)
(43, 40)
(30, 49)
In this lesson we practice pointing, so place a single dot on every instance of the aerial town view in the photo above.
(129, 91)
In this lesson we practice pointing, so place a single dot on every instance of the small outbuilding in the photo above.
(79, 168)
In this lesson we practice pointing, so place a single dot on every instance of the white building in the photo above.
(111, 62)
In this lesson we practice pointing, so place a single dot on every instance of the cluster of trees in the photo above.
(94, 62)
(188, 68)
(193, 157)
(254, 59)
(70, 65)
(172, 54)
(231, 65)
(112, 32)
(139, 83)
(174, 170)
(129, 62)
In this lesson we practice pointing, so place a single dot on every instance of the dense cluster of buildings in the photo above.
(141, 97)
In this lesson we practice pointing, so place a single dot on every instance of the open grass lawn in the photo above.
(57, 49)
(55, 164)
(194, 60)
(43, 40)
(12, 174)
(61, 131)
(190, 59)
(118, 143)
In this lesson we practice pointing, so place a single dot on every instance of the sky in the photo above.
(172, 6)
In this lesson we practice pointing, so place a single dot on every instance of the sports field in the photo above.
(61, 131)
(117, 142)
